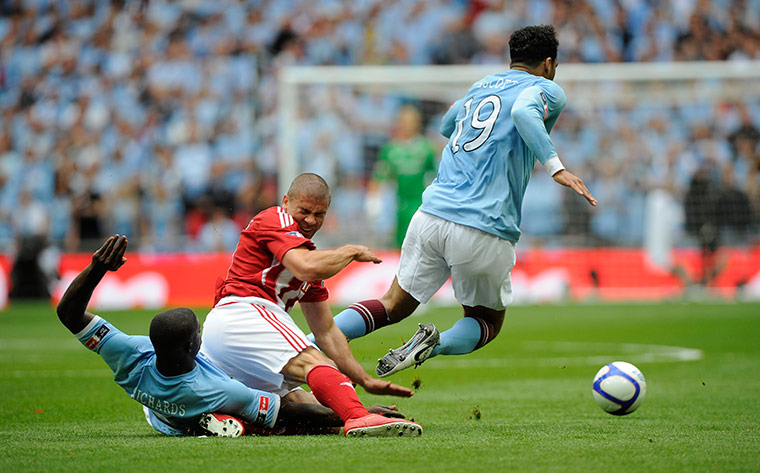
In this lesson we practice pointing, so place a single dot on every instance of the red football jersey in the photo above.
(257, 269)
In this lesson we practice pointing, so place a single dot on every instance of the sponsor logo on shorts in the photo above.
(97, 337)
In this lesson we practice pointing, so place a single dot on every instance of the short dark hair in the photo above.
(171, 330)
(310, 185)
(532, 44)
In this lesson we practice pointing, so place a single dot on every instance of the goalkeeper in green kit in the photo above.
(410, 160)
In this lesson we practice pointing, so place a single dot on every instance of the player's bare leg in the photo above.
(398, 303)
(299, 366)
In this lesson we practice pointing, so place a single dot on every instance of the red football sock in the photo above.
(333, 389)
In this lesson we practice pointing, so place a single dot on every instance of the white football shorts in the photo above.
(252, 339)
(479, 263)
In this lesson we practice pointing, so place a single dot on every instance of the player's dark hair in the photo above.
(171, 330)
(533, 44)
(310, 185)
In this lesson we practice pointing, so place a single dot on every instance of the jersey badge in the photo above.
(546, 104)
(97, 337)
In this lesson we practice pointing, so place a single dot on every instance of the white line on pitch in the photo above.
(633, 352)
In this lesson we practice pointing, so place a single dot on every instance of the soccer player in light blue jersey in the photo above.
(182, 391)
(468, 224)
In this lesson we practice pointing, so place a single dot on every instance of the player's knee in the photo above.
(300, 365)
(488, 331)
(490, 322)
(313, 357)
(497, 323)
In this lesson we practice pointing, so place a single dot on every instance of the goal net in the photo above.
(670, 150)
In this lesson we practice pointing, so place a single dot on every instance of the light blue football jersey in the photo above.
(497, 131)
(176, 401)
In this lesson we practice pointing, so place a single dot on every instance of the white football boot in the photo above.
(413, 352)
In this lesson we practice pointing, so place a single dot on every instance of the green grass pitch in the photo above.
(523, 403)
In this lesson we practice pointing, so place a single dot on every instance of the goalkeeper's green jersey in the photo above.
(412, 165)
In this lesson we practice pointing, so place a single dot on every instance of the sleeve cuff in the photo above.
(89, 327)
(553, 165)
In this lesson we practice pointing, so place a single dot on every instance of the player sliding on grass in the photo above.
(468, 224)
(251, 336)
(178, 387)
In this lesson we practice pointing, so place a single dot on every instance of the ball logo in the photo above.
(619, 388)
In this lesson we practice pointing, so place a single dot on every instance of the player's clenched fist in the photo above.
(110, 256)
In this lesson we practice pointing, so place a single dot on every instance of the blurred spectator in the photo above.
(60, 214)
(33, 271)
(735, 213)
(88, 213)
(701, 209)
(30, 216)
(457, 45)
(220, 233)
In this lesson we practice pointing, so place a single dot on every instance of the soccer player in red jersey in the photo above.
(251, 336)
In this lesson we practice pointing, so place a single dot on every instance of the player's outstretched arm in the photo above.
(311, 265)
(567, 179)
(72, 309)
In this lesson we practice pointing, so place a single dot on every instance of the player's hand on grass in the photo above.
(377, 386)
(110, 256)
(387, 411)
(574, 182)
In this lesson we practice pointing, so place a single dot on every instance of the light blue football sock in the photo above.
(350, 322)
(461, 338)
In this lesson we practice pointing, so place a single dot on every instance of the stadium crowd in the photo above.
(157, 119)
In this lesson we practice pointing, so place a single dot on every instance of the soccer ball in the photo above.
(619, 388)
